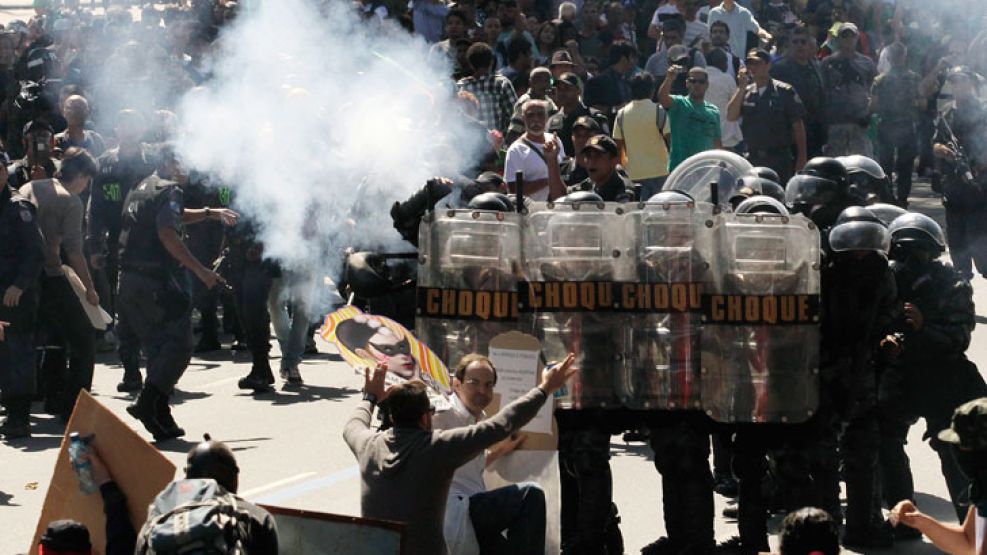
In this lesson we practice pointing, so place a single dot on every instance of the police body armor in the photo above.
(670, 245)
(141, 250)
(467, 284)
(760, 343)
(574, 254)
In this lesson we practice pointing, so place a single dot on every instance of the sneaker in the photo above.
(731, 511)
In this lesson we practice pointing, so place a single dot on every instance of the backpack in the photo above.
(193, 517)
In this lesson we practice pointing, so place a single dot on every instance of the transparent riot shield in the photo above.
(695, 174)
(760, 341)
(671, 247)
(574, 254)
(467, 284)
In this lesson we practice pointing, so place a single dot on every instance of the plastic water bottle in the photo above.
(78, 448)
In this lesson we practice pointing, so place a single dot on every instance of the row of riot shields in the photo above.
(667, 306)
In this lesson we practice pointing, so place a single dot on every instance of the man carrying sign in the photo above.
(406, 471)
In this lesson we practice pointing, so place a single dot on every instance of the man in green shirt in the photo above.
(695, 123)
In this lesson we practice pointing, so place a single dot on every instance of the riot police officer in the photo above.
(821, 191)
(155, 301)
(21, 260)
(601, 157)
(858, 308)
(772, 115)
(963, 178)
(206, 241)
(868, 181)
(932, 376)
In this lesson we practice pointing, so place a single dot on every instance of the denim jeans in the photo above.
(518, 509)
(290, 317)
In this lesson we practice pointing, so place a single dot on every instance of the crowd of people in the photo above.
(838, 104)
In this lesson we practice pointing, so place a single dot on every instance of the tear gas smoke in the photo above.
(319, 121)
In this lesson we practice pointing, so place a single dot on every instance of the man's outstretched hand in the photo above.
(556, 375)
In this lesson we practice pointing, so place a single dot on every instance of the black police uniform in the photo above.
(21, 260)
(117, 176)
(155, 298)
(897, 139)
(561, 124)
(930, 378)
(572, 173)
(966, 203)
(768, 117)
(205, 242)
(859, 306)
(609, 89)
(617, 189)
(20, 172)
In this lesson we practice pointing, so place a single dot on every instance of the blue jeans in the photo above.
(290, 327)
(518, 509)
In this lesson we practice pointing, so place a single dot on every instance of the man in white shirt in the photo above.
(518, 509)
(722, 87)
(740, 20)
(538, 155)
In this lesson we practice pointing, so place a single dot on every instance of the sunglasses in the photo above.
(696, 81)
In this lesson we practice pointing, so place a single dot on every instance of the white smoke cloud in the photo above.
(319, 121)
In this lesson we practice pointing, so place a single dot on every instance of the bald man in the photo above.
(76, 112)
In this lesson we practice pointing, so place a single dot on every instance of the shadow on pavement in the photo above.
(936, 507)
(308, 393)
(174, 445)
(180, 396)
(5, 500)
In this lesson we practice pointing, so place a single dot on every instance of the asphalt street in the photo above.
(291, 453)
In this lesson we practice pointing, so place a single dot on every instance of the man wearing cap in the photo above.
(770, 114)
(601, 157)
(568, 91)
(537, 155)
(847, 79)
(966, 208)
(968, 437)
(694, 123)
(639, 130)
(574, 167)
(740, 20)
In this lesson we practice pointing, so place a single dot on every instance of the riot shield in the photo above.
(467, 284)
(574, 254)
(695, 174)
(671, 245)
(760, 341)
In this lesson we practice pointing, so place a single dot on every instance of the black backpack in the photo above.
(194, 517)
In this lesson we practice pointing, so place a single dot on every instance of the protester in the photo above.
(568, 93)
(694, 123)
(494, 91)
(640, 130)
(406, 471)
(537, 155)
(518, 510)
(847, 79)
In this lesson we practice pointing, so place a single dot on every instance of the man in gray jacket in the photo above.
(406, 471)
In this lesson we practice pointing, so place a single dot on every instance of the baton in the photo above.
(519, 184)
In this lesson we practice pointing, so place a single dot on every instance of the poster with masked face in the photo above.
(365, 340)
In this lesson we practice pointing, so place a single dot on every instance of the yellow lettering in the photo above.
(448, 302)
(788, 308)
(465, 303)
(432, 301)
(680, 297)
(661, 297)
(587, 295)
(803, 308)
(627, 295)
(553, 295)
(769, 312)
(735, 308)
(716, 306)
(752, 312)
(483, 304)
(570, 295)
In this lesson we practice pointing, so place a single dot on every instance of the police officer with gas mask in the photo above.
(932, 375)
(859, 306)
(155, 299)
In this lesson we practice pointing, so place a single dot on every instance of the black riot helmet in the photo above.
(810, 190)
(857, 214)
(917, 231)
(765, 172)
(588, 197)
(867, 178)
(761, 204)
(671, 197)
(752, 185)
(887, 213)
(213, 459)
(859, 235)
(494, 202)
(828, 168)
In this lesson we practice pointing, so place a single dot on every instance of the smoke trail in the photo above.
(318, 121)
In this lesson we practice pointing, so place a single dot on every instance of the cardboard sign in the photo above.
(98, 317)
(313, 533)
(511, 353)
(135, 465)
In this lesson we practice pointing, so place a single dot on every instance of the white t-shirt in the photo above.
(664, 9)
(740, 21)
(720, 91)
(520, 157)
